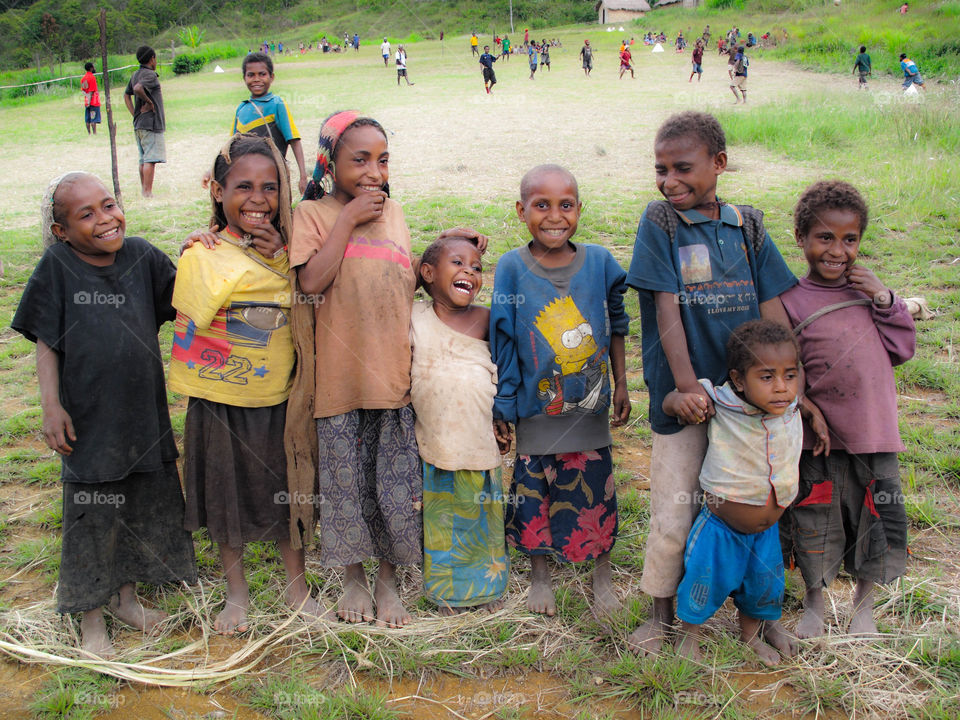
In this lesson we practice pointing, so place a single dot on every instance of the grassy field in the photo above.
(457, 156)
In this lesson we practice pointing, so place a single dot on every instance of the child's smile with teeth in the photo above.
(250, 193)
(831, 245)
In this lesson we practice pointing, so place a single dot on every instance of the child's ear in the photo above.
(520, 211)
(798, 237)
(737, 379)
(427, 273)
(216, 189)
(59, 231)
(720, 162)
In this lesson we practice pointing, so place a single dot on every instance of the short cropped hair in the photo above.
(747, 338)
(526, 184)
(702, 125)
(828, 195)
(863, 48)
(145, 53)
(88, 66)
(257, 57)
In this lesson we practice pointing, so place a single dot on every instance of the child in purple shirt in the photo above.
(852, 332)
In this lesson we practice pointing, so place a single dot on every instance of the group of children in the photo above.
(321, 394)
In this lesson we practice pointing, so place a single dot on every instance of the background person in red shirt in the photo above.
(91, 99)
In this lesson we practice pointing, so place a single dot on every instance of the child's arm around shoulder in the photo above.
(502, 336)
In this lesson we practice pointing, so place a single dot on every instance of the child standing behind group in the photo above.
(453, 385)
(557, 328)
(852, 332)
(701, 267)
(93, 307)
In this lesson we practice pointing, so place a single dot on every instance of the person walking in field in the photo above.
(489, 77)
(586, 55)
(474, 43)
(402, 65)
(862, 65)
(385, 51)
(697, 60)
(91, 99)
(911, 74)
(738, 75)
(625, 58)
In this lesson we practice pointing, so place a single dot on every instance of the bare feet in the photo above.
(127, 608)
(356, 605)
(605, 600)
(300, 601)
(862, 622)
(390, 611)
(93, 635)
(493, 606)
(750, 635)
(647, 640)
(447, 611)
(297, 594)
(541, 599)
(689, 645)
(233, 618)
(811, 622)
(777, 636)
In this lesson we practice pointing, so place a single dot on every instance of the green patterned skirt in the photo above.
(465, 561)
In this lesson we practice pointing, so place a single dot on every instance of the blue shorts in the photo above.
(91, 114)
(912, 80)
(719, 562)
(697, 68)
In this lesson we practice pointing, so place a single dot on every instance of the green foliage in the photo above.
(191, 36)
(183, 64)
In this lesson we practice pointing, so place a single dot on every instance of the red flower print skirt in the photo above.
(563, 505)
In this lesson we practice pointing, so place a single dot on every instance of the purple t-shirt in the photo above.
(848, 356)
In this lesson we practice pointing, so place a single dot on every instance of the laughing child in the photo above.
(557, 328)
(453, 385)
(852, 332)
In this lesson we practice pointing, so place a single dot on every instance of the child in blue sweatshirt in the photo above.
(557, 328)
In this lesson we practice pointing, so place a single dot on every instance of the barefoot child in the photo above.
(454, 383)
(852, 332)
(748, 478)
(557, 328)
(701, 268)
(94, 305)
(351, 247)
(233, 356)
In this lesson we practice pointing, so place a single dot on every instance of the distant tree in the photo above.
(191, 36)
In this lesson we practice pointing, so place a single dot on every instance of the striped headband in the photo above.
(330, 132)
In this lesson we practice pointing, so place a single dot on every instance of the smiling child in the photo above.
(557, 328)
(453, 384)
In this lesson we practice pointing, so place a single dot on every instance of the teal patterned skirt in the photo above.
(465, 561)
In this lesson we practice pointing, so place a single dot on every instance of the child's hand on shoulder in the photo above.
(862, 278)
(470, 234)
(58, 429)
(208, 238)
(690, 408)
(621, 406)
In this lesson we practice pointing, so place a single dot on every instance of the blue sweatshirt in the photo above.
(550, 332)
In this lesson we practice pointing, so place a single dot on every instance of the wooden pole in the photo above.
(111, 126)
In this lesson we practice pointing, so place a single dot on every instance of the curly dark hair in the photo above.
(703, 125)
(746, 338)
(256, 57)
(433, 253)
(828, 195)
(534, 174)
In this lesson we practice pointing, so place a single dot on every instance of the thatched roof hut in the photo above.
(610, 11)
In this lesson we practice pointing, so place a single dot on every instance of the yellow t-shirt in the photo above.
(232, 340)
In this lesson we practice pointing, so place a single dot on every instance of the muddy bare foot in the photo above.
(493, 606)
(811, 622)
(862, 623)
(356, 605)
(390, 610)
(689, 647)
(93, 635)
(233, 618)
(541, 599)
(300, 601)
(768, 656)
(777, 636)
(605, 600)
(447, 611)
(130, 611)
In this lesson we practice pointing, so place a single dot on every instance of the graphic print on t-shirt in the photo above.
(377, 249)
(695, 264)
(581, 385)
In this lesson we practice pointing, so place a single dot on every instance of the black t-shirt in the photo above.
(103, 323)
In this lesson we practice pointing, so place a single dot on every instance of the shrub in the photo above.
(183, 64)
